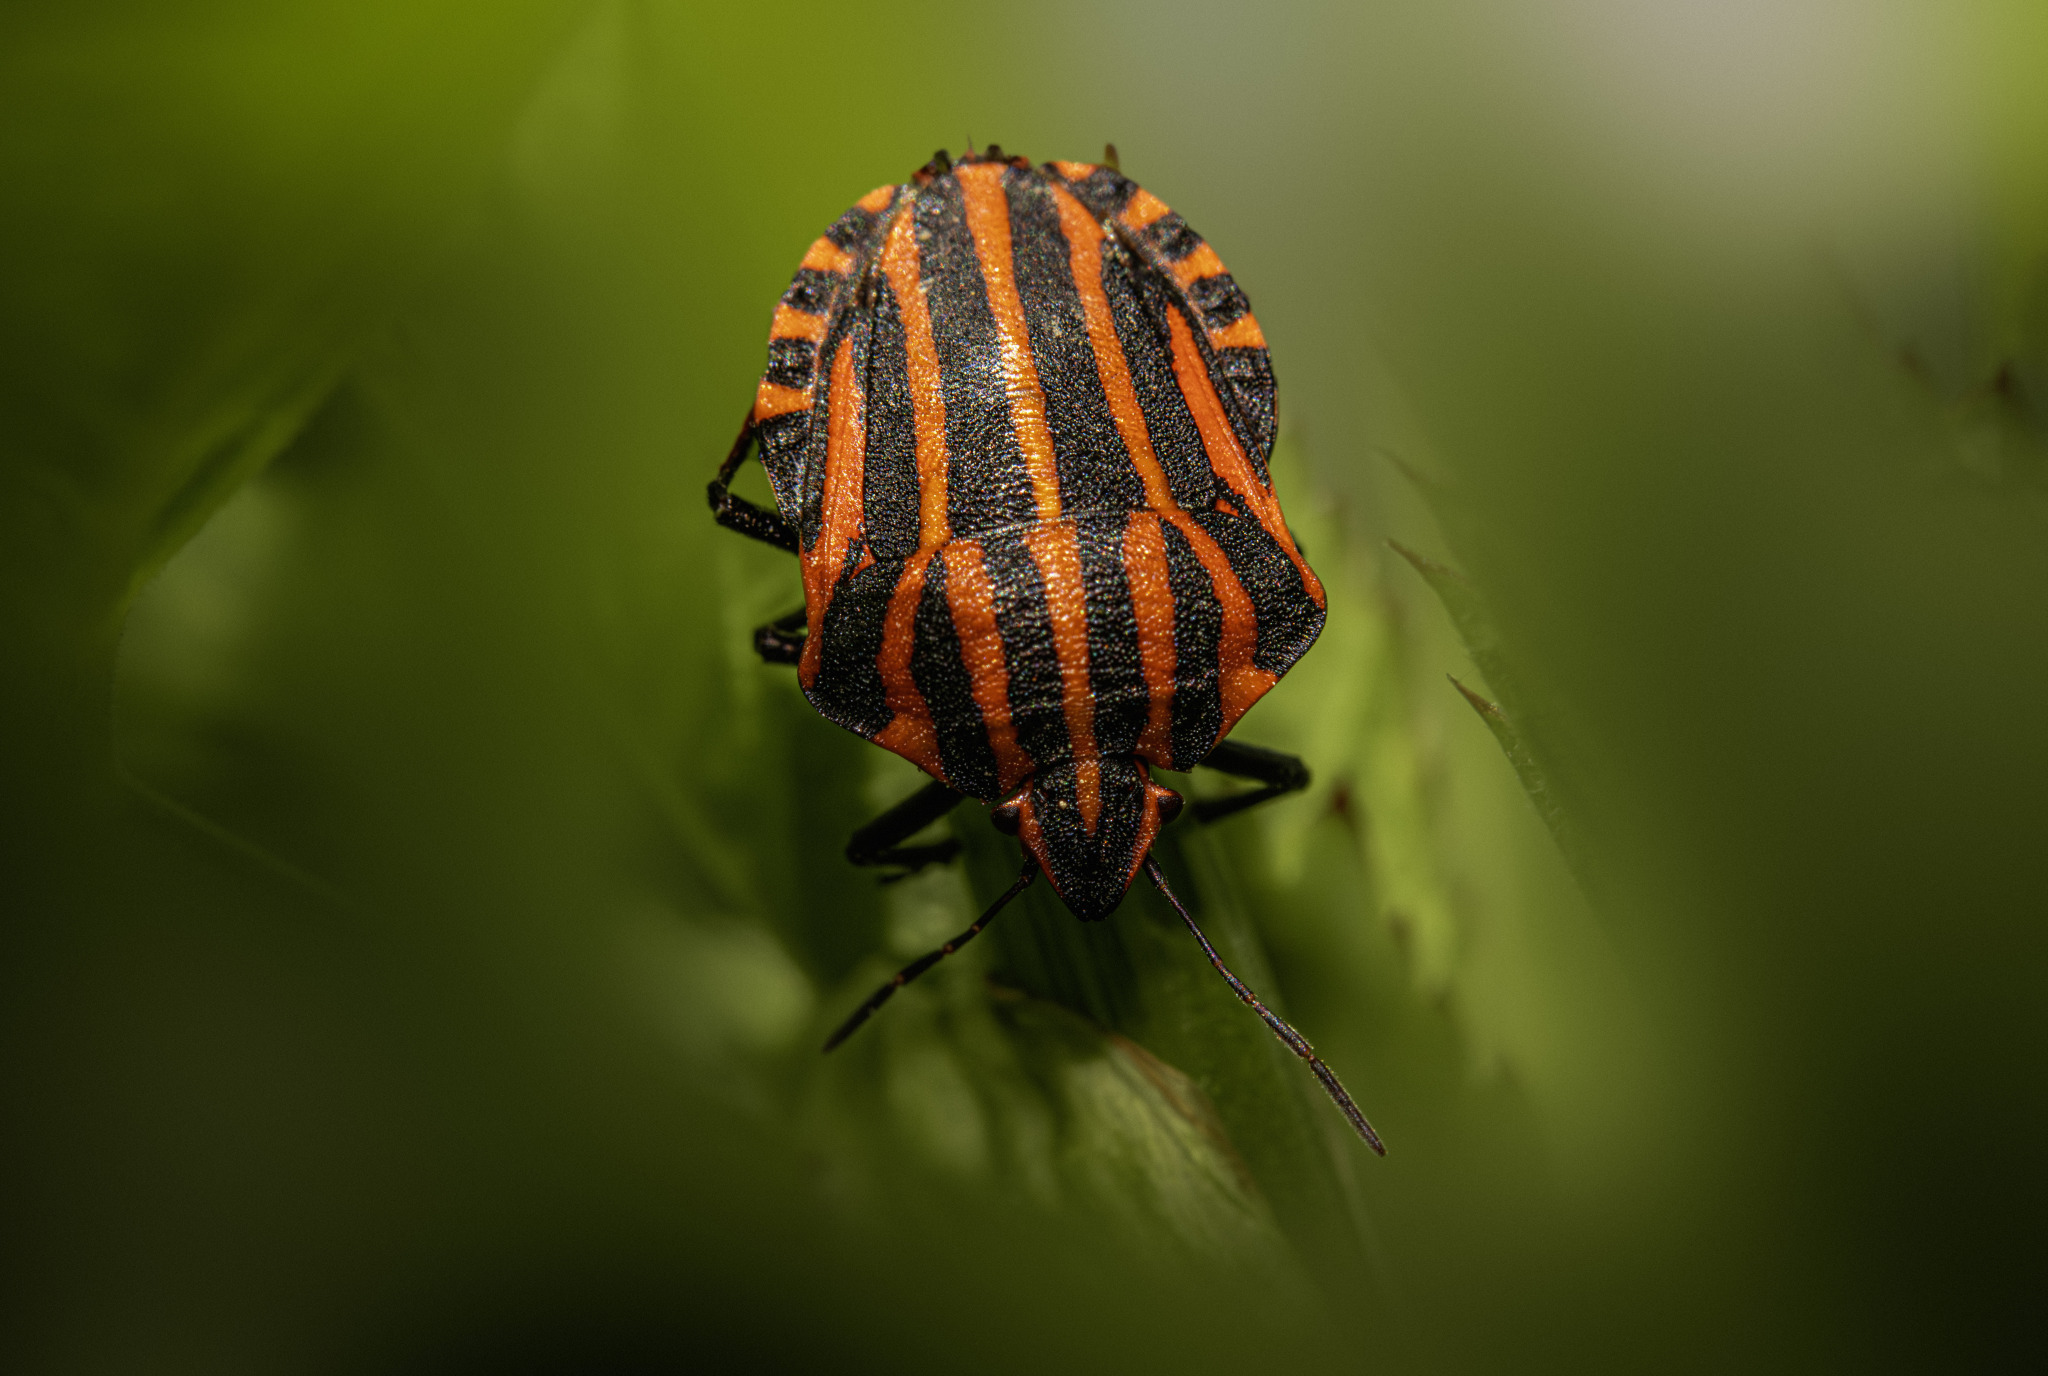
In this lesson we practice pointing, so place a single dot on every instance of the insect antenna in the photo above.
(1295, 1041)
(931, 958)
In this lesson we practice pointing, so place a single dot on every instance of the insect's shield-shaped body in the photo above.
(1017, 421)
(1019, 418)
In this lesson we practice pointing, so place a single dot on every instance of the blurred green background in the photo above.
(421, 911)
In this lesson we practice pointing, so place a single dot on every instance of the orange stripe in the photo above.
(988, 220)
(1143, 208)
(1152, 604)
(826, 256)
(876, 201)
(845, 457)
(771, 400)
(1203, 262)
(1075, 171)
(1056, 549)
(927, 402)
(1226, 455)
(1241, 684)
(1088, 790)
(909, 732)
(1238, 681)
(1243, 333)
(791, 323)
(1084, 246)
(1148, 820)
(981, 650)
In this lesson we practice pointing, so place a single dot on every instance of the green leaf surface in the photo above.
(423, 911)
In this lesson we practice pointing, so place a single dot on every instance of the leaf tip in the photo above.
(1429, 484)
(1426, 566)
(1480, 704)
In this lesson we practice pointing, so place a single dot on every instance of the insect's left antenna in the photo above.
(1295, 1041)
(931, 958)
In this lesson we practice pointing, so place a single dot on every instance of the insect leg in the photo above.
(737, 513)
(931, 958)
(1279, 772)
(880, 842)
(1294, 1040)
(780, 641)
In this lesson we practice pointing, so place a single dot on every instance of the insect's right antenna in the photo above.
(1295, 1042)
(931, 958)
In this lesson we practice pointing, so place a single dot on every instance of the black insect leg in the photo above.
(781, 641)
(1279, 772)
(880, 842)
(737, 513)
(775, 642)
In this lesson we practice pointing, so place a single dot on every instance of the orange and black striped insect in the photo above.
(1017, 423)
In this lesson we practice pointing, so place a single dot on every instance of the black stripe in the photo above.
(1219, 300)
(1289, 620)
(1138, 299)
(1095, 470)
(1116, 675)
(889, 485)
(1091, 872)
(987, 485)
(791, 362)
(784, 439)
(1170, 233)
(1197, 646)
(857, 224)
(849, 689)
(1246, 376)
(812, 290)
(940, 672)
(1103, 191)
(1024, 619)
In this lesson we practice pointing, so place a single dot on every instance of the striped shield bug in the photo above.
(1017, 423)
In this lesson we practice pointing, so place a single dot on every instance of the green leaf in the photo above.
(210, 207)
(1475, 627)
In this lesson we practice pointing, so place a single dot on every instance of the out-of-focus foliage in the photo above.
(422, 911)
